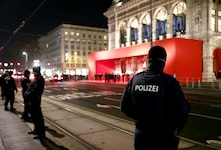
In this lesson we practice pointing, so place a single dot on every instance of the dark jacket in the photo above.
(10, 85)
(24, 84)
(155, 100)
(2, 80)
(35, 91)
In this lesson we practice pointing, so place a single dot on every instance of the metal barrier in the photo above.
(214, 85)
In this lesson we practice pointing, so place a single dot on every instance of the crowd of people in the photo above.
(32, 92)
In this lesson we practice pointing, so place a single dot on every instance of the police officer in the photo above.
(9, 89)
(34, 94)
(156, 102)
(24, 84)
(2, 84)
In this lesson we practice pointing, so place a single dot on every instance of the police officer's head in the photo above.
(157, 54)
(37, 71)
(26, 73)
(10, 73)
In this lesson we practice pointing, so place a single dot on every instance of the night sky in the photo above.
(50, 14)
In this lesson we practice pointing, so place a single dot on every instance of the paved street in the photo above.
(202, 128)
(83, 115)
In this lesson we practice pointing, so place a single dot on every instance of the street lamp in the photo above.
(26, 59)
(151, 17)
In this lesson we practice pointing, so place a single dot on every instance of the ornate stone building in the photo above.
(133, 22)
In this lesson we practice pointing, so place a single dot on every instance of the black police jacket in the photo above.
(24, 84)
(35, 91)
(155, 100)
(10, 85)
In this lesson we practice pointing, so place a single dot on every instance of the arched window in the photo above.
(123, 35)
(161, 28)
(216, 19)
(146, 28)
(179, 18)
(134, 31)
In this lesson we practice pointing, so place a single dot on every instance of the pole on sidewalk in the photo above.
(212, 85)
(192, 83)
(199, 84)
(187, 82)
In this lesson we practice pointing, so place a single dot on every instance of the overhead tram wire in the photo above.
(22, 25)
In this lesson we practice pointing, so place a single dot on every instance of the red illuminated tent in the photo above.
(184, 59)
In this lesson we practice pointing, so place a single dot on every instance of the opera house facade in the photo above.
(190, 30)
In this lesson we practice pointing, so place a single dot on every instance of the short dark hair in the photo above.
(10, 72)
(26, 72)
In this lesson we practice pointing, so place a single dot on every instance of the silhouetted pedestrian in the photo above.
(24, 84)
(10, 88)
(34, 94)
(156, 102)
(2, 84)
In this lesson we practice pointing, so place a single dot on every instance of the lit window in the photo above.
(216, 19)
(66, 33)
(123, 35)
(162, 15)
(77, 34)
(105, 37)
(147, 20)
(219, 25)
(146, 28)
(213, 24)
(180, 8)
(161, 28)
(219, 13)
(213, 12)
(134, 30)
(179, 18)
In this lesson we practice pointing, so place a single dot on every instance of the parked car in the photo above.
(56, 78)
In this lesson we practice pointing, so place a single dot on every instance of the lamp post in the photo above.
(151, 19)
(26, 59)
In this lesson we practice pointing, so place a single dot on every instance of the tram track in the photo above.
(62, 131)
(94, 118)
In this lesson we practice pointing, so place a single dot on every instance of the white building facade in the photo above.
(66, 48)
(133, 22)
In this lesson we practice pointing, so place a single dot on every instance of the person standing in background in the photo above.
(2, 84)
(10, 87)
(34, 94)
(24, 84)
